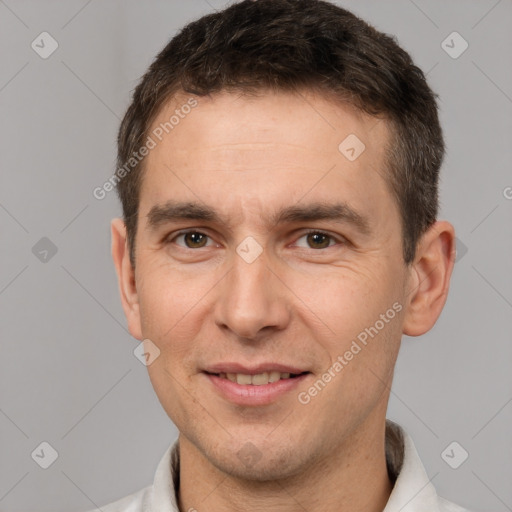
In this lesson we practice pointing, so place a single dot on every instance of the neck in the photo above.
(353, 478)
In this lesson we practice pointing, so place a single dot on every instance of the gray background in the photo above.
(68, 375)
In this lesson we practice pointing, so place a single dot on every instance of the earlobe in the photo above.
(430, 278)
(126, 277)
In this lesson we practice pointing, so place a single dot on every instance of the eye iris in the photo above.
(196, 238)
(315, 238)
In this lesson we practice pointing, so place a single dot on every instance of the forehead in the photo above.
(264, 149)
(308, 119)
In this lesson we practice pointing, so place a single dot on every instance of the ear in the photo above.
(126, 277)
(429, 278)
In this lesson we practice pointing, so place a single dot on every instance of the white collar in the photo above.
(413, 491)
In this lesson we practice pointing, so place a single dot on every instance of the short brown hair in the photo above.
(289, 45)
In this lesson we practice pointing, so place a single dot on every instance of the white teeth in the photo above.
(274, 376)
(243, 379)
(259, 379)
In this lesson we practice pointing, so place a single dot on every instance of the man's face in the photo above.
(253, 293)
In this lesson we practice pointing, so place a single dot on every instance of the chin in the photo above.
(263, 471)
(259, 462)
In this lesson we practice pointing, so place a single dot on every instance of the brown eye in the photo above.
(195, 239)
(318, 240)
(192, 239)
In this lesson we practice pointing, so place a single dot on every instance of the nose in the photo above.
(252, 300)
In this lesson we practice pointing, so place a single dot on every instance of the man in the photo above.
(278, 172)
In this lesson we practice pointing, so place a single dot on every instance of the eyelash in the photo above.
(339, 240)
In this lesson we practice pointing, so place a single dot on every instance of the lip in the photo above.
(250, 395)
(232, 367)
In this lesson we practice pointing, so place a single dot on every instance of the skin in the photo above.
(301, 302)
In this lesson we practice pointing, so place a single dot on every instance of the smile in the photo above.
(260, 379)
(256, 389)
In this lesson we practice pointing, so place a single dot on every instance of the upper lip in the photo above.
(253, 369)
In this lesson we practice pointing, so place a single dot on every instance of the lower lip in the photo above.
(249, 394)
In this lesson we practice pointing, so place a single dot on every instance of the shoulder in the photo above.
(135, 502)
(448, 506)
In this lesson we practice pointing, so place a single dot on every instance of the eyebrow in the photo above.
(339, 212)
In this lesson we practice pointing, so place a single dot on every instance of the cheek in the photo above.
(166, 297)
(174, 309)
(351, 300)
(170, 308)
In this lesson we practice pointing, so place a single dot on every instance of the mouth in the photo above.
(257, 386)
(258, 379)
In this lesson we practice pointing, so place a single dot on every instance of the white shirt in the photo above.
(412, 491)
